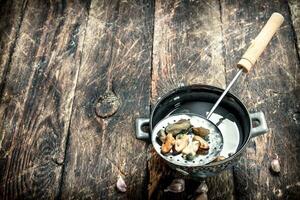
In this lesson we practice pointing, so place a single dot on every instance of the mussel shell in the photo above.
(200, 131)
(181, 126)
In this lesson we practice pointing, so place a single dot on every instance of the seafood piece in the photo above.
(203, 145)
(190, 156)
(190, 150)
(182, 140)
(178, 127)
(202, 152)
(168, 144)
(180, 136)
(200, 131)
(162, 135)
(219, 158)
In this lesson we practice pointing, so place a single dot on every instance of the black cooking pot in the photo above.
(231, 117)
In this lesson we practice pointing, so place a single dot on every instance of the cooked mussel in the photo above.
(219, 158)
(182, 140)
(179, 127)
(203, 145)
(200, 131)
(168, 144)
(190, 150)
(162, 135)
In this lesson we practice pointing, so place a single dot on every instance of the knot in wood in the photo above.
(107, 104)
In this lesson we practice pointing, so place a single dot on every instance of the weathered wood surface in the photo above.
(272, 87)
(74, 76)
(113, 89)
(187, 49)
(294, 6)
(10, 23)
(37, 98)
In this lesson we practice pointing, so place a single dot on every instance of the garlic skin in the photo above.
(177, 186)
(202, 191)
(275, 165)
(202, 196)
(121, 185)
(202, 188)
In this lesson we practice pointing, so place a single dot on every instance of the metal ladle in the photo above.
(256, 48)
(247, 61)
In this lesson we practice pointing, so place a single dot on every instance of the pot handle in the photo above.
(140, 134)
(262, 127)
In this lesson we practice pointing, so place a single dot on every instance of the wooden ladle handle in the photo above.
(259, 44)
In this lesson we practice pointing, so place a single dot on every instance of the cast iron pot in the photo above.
(231, 117)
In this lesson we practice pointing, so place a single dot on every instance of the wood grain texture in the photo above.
(74, 76)
(113, 90)
(187, 45)
(12, 13)
(294, 6)
(272, 86)
(187, 50)
(37, 99)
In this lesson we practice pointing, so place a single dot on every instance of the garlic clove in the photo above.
(202, 188)
(177, 186)
(202, 196)
(275, 166)
(121, 185)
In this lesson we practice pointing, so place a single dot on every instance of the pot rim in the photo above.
(210, 87)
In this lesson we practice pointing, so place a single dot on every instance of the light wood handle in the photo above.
(259, 44)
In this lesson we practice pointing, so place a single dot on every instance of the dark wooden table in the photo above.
(74, 76)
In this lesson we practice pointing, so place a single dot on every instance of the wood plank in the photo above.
(36, 105)
(12, 13)
(272, 87)
(187, 50)
(294, 6)
(113, 90)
